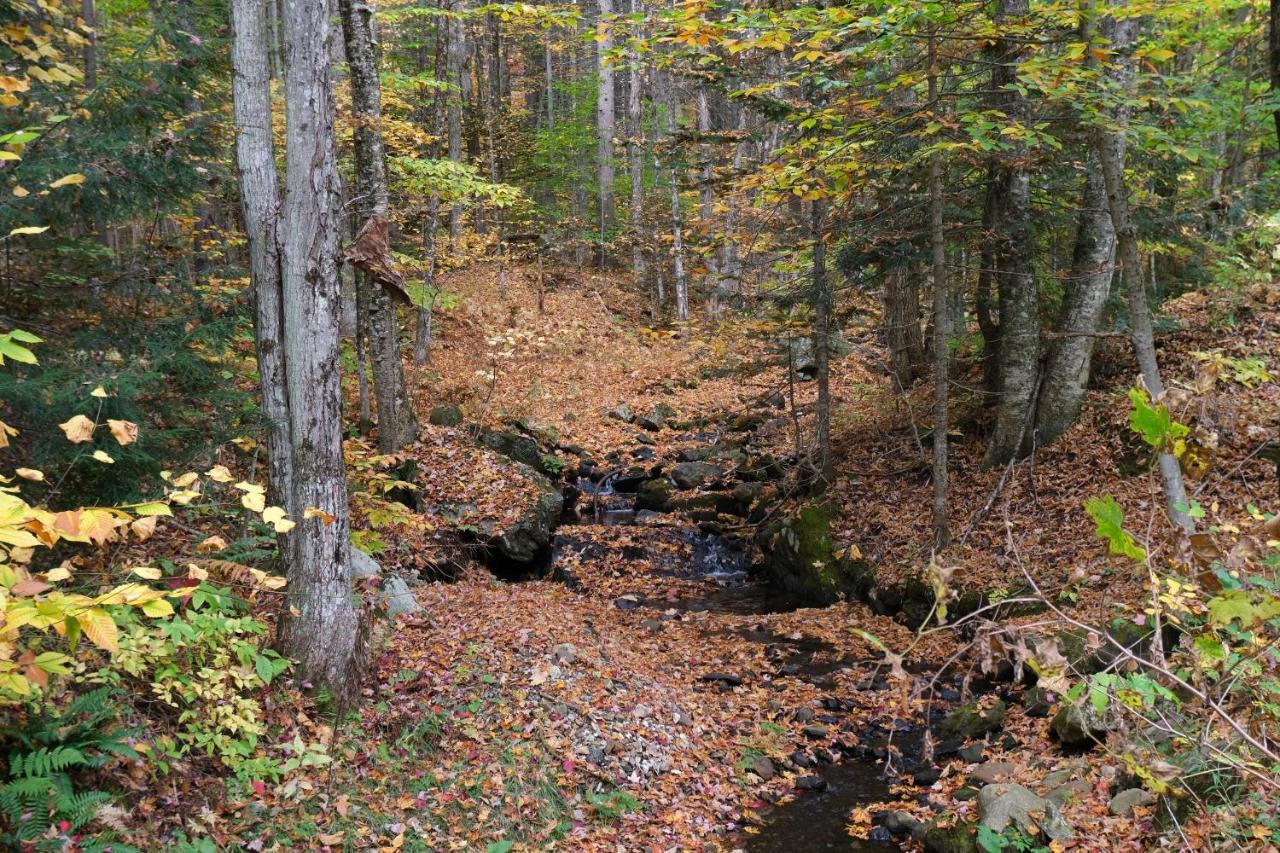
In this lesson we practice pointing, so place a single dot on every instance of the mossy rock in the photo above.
(972, 721)
(801, 558)
(961, 838)
(655, 495)
(445, 415)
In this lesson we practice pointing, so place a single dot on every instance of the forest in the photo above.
(640, 425)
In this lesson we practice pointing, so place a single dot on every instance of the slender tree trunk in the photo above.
(1110, 149)
(984, 301)
(430, 251)
(941, 353)
(1273, 61)
(319, 625)
(260, 199)
(635, 154)
(454, 53)
(822, 299)
(1016, 283)
(605, 121)
(902, 333)
(89, 14)
(397, 425)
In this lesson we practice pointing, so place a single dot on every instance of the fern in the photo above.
(46, 762)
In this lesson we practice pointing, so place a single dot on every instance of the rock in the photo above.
(899, 823)
(397, 597)
(640, 712)
(995, 771)
(629, 479)
(804, 715)
(945, 839)
(800, 758)
(621, 412)
(815, 731)
(644, 516)
(445, 415)
(1126, 801)
(654, 495)
(651, 625)
(657, 417)
(513, 445)
(1038, 702)
(974, 721)
(879, 835)
(964, 793)
(1069, 791)
(926, 776)
(691, 475)
(971, 754)
(1057, 777)
(627, 602)
(564, 653)
(722, 678)
(363, 566)
(525, 540)
(802, 357)
(811, 783)
(1001, 806)
(799, 556)
(1078, 725)
(763, 767)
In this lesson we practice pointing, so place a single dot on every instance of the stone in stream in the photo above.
(926, 776)
(654, 495)
(800, 556)
(972, 754)
(445, 415)
(811, 783)
(1005, 805)
(974, 721)
(692, 475)
(657, 417)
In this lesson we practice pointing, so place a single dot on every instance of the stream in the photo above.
(814, 820)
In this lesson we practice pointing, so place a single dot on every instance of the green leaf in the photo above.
(500, 847)
(1154, 423)
(262, 666)
(1235, 604)
(1109, 518)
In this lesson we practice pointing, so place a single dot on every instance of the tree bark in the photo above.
(821, 299)
(1015, 282)
(1109, 146)
(1273, 61)
(89, 14)
(635, 155)
(397, 425)
(941, 331)
(260, 200)
(319, 626)
(605, 120)
(902, 334)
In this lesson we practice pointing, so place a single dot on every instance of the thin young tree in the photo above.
(605, 119)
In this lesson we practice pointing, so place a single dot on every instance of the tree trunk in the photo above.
(1110, 149)
(822, 299)
(319, 626)
(454, 53)
(941, 353)
(605, 120)
(88, 13)
(260, 199)
(902, 333)
(1273, 60)
(397, 425)
(635, 155)
(1015, 282)
(677, 253)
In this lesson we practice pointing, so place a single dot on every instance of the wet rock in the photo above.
(445, 415)
(721, 678)
(800, 758)
(972, 754)
(1009, 804)
(1078, 725)
(621, 412)
(643, 454)
(763, 768)
(531, 534)
(899, 823)
(692, 475)
(879, 835)
(926, 776)
(811, 783)
(945, 839)
(995, 771)
(1038, 702)
(974, 721)
(629, 479)
(816, 731)
(1126, 801)
(654, 495)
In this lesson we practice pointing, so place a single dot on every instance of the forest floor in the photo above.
(643, 705)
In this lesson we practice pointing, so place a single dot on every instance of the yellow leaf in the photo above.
(9, 83)
(149, 572)
(78, 429)
(219, 474)
(213, 543)
(244, 443)
(184, 496)
(158, 608)
(152, 508)
(99, 392)
(275, 516)
(194, 571)
(255, 501)
(59, 574)
(21, 192)
(8, 155)
(312, 512)
(101, 456)
(99, 627)
(72, 180)
(252, 488)
(29, 229)
(144, 528)
(125, 432)
(185, 480)
(30, 474)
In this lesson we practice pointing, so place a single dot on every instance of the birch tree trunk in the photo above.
(635, 155)
(605, 120)
(1015, 281)
(260, 200)
(319, 627)
(397, 425)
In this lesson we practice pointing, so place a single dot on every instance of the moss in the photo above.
(801, 559)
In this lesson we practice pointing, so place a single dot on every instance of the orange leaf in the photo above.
(126, 432)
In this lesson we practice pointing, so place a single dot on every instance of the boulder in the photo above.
(621, 412)
(654, 495)
(991, 772)
(525, 540)
(657, 417)
(396, 596)
(1005, 805)
(945, 839)
(1079, 725)
(691, 475)
(445, 415)
(513, 445)
(1126, 801)
(973, 720)
(800, 557)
